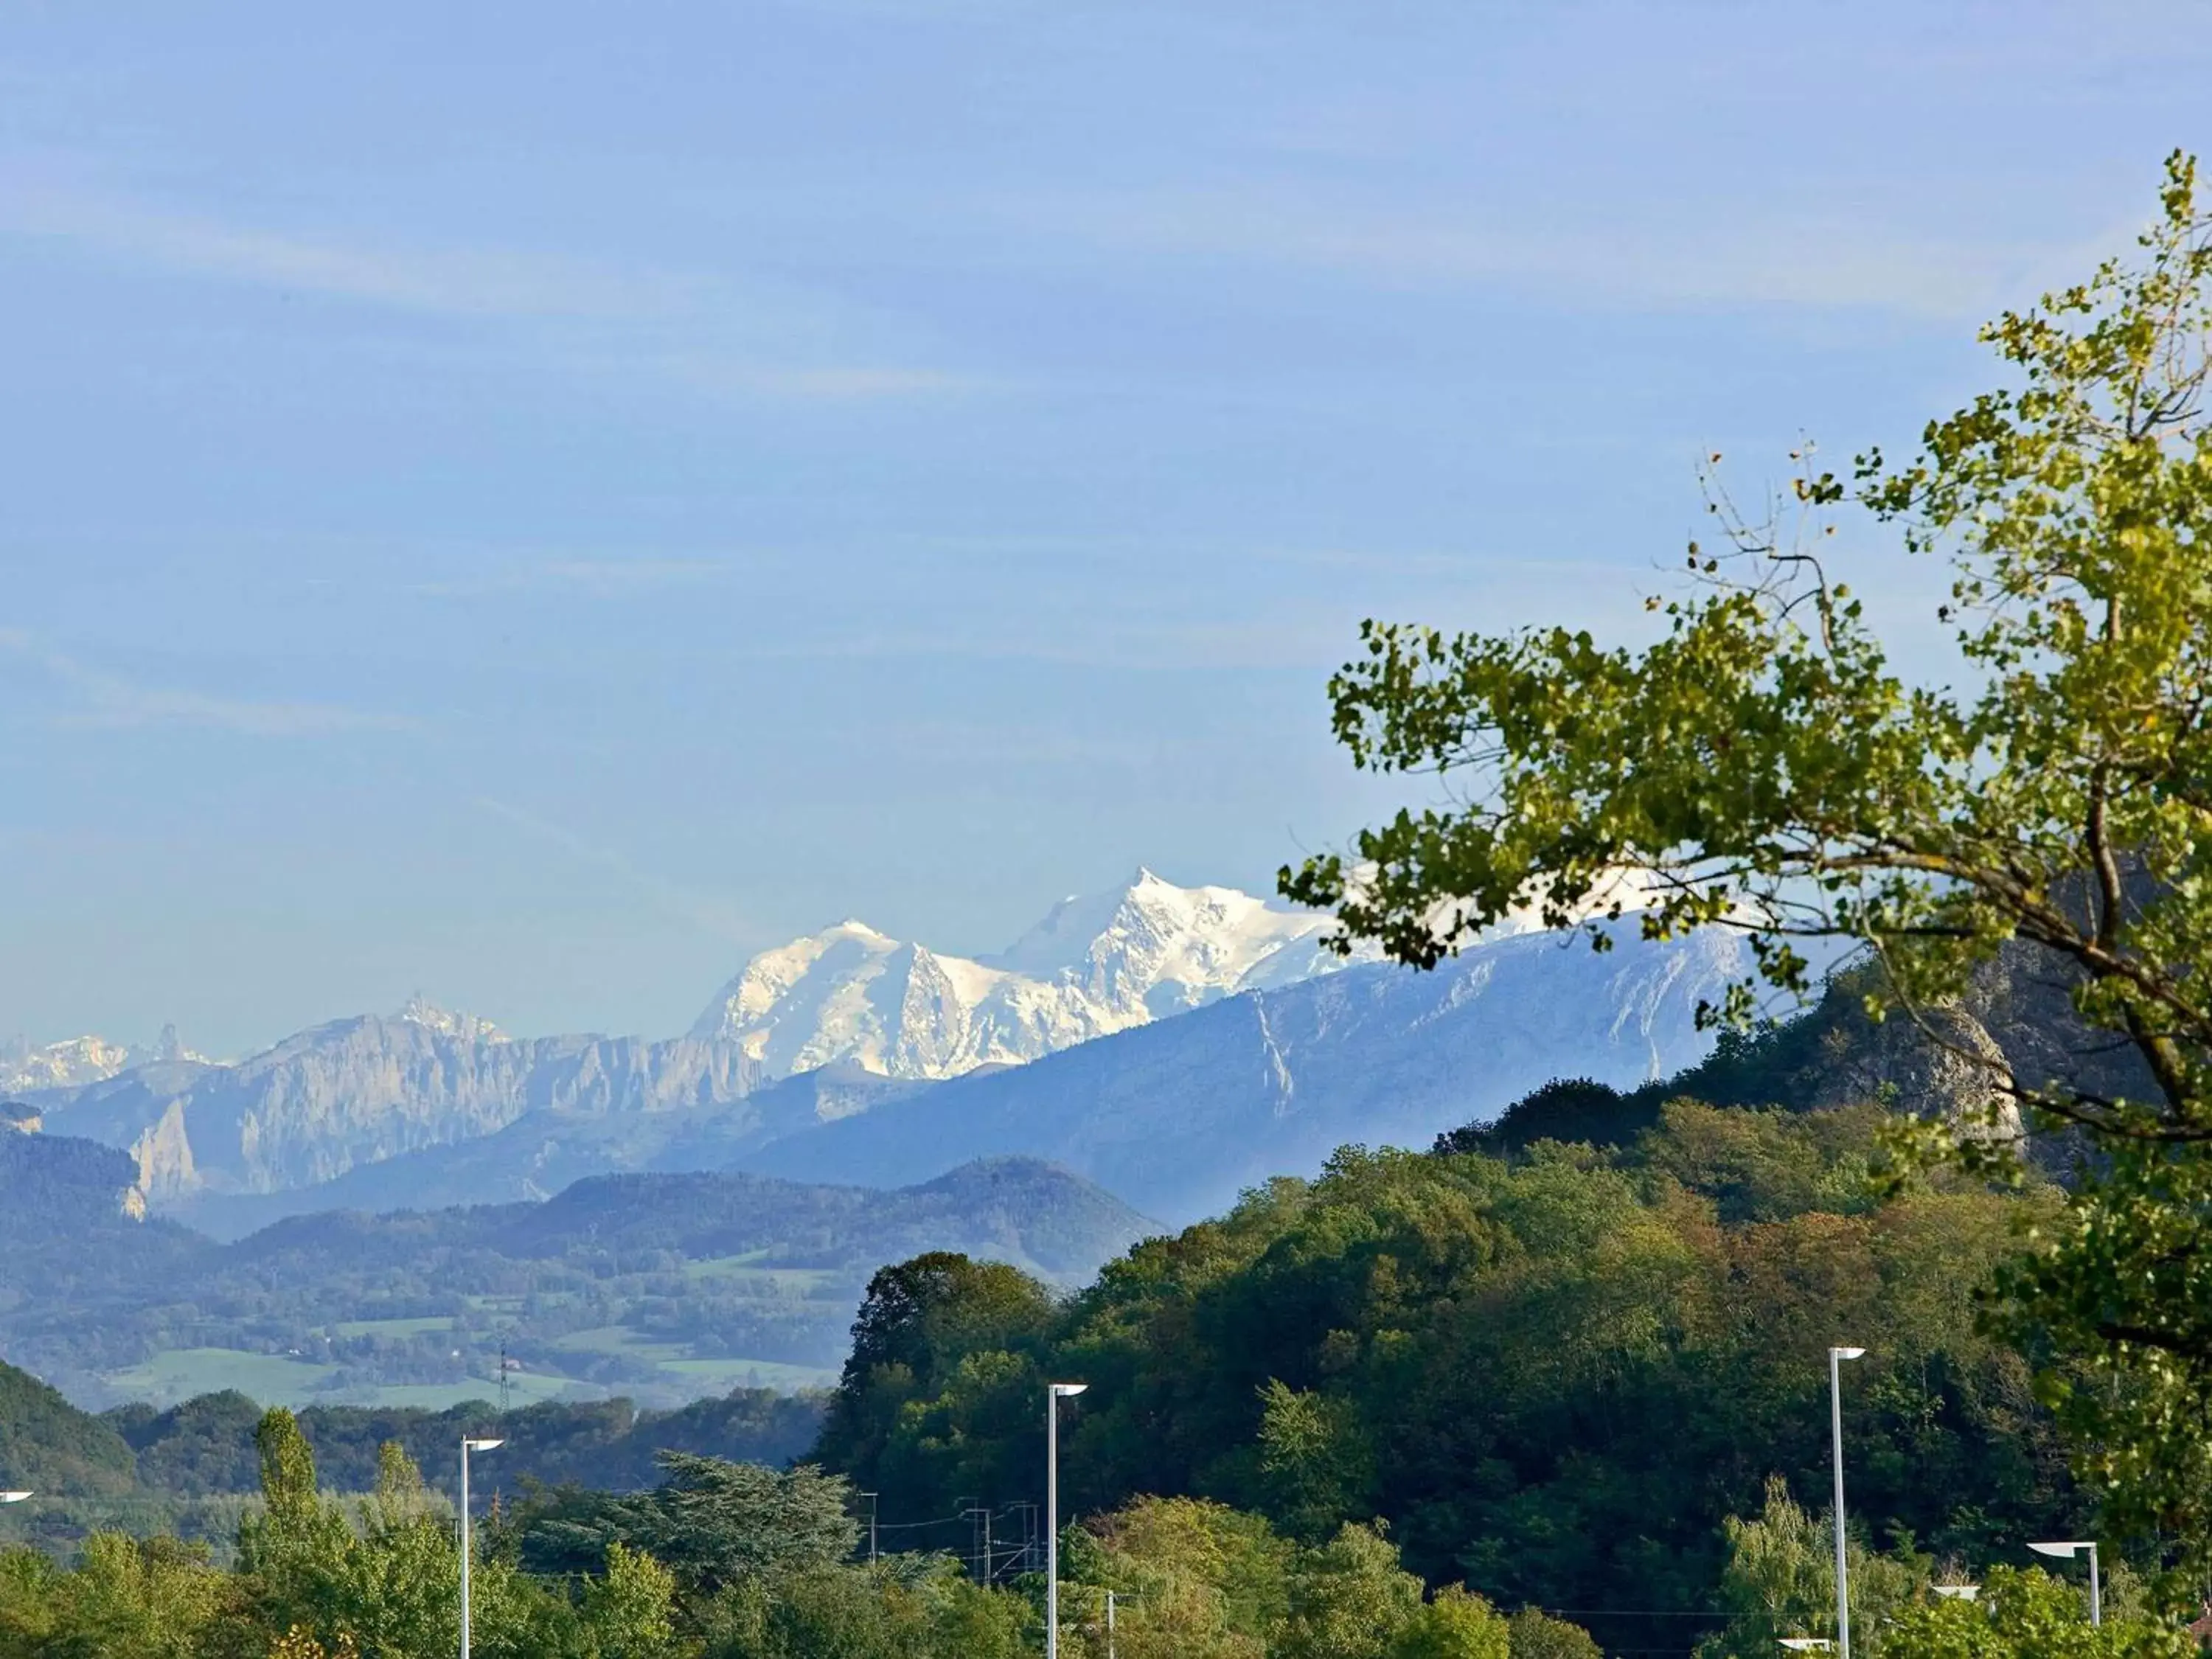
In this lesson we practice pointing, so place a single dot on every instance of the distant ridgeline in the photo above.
(148, 1470)
(1171, 1044)
(661, 1287)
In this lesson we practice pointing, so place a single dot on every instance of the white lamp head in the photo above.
(1846, 1354)
(484, 1445)
(1957, 1592)
(1806, 1643)
(2069, 1548)
(13, 1497)
(1068, 1390)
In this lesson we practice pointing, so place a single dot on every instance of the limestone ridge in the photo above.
(364, 1089)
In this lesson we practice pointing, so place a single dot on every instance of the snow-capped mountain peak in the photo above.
(465, 1028)
(1094, 964)
(77, 1061)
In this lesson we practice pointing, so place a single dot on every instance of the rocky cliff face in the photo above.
(366, 1090)
(53, 1187)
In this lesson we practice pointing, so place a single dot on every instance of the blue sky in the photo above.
(533, 504)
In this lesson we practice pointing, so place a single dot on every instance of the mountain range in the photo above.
(1172, 1043)
(662, 1285)
(1092, 967)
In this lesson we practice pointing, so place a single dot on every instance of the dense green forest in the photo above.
(192, 1468)
(724, 1560)
(1554, 1375)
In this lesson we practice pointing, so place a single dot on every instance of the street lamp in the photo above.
(2069, 1550)
(1836, 1357)
(1806, 1643)
(1054, 1393)
(468, 1446)
(13, 1497)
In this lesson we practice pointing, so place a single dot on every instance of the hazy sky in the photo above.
(534, 503)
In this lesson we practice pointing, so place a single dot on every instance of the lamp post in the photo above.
(1053, 1394)
(2074, 1548)
(468, 1446)
(1835, 1358)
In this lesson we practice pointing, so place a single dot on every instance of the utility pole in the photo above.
(873, 1507)
(1109, 1625)
(979, 1537)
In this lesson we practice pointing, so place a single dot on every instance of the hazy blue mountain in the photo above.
(661, 1287)
(1177, 1116)
(549, 1148)
(361, 1091)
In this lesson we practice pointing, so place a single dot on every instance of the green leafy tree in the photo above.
(288, 1464)
(711, 1522)
(150, 1599)
(1316, 1466)
(1532, 1633)
(630, 1610)
(1351, 1600)
(1455, 1625)
(2026, 1615)
(295, 1553)
(1763, 765)
(1780, 1581)
(921, 1320)
(1191, 1578)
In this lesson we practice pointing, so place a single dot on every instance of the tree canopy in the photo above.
(1766, 765)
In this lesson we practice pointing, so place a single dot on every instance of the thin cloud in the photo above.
(605, 578)
(749, 340)
(446, 281)
(1820, 265)
(673, 900)
(106, 700)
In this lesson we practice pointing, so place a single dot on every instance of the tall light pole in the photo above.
(468, 1446)
(1835, 1358)
(1053, 1394)
(2074, 1548)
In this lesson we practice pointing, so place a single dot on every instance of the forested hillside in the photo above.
(1554, 1375)
(664, 1287)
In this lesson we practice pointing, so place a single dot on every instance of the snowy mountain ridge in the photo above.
(77, 1061)
(1094, 965)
